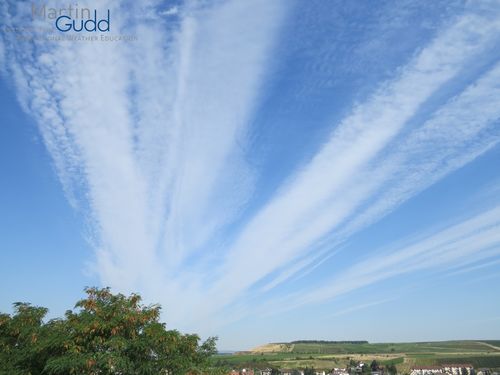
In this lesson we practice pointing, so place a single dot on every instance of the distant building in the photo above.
(456, 368)
(426, 370)
(244, 371)
(448, 368)
(266, 371)
(356, 370)
(359, 368)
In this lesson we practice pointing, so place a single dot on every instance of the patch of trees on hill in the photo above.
(327, 342)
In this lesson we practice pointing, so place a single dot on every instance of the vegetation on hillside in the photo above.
(327, 342)
(394, 357)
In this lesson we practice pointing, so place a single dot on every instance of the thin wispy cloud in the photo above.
(360, 307)
(153, 143)
(348, 171)
(475, 267)
(474, 240)
(471, 240)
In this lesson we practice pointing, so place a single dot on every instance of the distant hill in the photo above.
(327, 354)
(222, 352)
(364, 347)
(327, 342)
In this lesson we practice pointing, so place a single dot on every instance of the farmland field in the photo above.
(326, 355)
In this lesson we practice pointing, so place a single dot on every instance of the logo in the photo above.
(73, 18)
(66, 23)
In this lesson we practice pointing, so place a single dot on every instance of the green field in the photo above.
(324, 355)
(418, 347)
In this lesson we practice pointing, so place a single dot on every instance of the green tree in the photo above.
(309, 371)
(21, 347)
(106, 334)
(391, 369)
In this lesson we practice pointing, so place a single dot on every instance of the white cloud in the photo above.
(144, 133)
(170, 11)
(361, 306)
(345, 174)
(151, 136)
(475, 267)
(473, 240)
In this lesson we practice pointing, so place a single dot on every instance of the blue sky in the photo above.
(266, 170)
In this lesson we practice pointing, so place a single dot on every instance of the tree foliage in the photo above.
(356, 342)
(391, 369)
(106, 334)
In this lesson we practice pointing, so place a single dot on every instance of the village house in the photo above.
(242, 372)
(358, 369)
(426, 370)
(378, 370)
(339, 371)
(456, 368)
